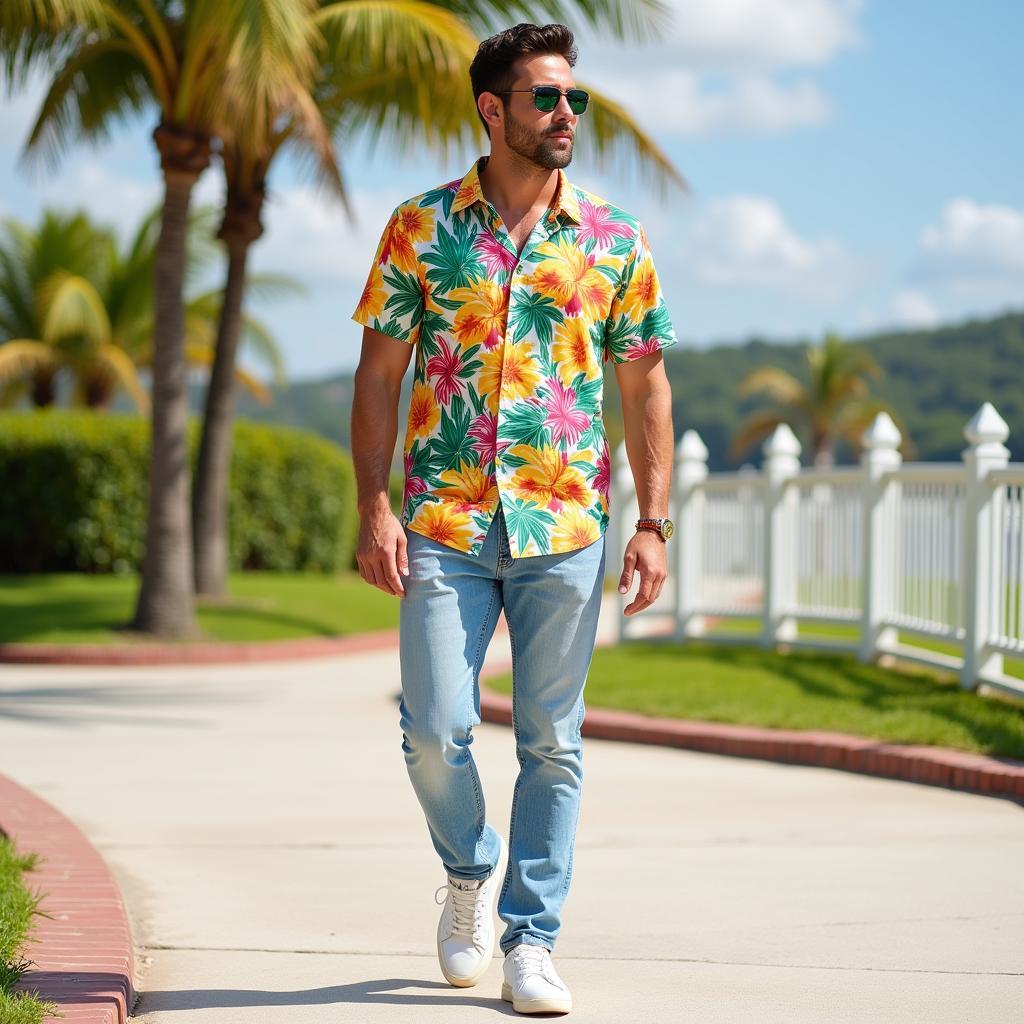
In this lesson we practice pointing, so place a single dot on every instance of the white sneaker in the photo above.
(465, 932)
(531, 983)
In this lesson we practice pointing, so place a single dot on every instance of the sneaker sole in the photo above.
(550, 1005)
(469, 981)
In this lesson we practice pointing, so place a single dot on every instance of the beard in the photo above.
(535, 146)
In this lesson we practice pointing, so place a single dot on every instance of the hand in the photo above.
(381, 551)
(645, 555)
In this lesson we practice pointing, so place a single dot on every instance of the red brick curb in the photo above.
(934, 766)
(83, 954)
(155, 653)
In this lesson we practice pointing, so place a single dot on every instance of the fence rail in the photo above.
(933, 550)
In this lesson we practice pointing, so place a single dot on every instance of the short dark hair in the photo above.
(493, 67)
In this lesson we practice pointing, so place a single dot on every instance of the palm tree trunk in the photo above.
(165, 605)
(210, 500)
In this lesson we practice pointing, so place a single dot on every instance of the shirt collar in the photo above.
(470, 192)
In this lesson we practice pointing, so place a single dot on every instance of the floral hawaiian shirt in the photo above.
(507, 392)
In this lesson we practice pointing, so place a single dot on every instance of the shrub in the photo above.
(73, 495)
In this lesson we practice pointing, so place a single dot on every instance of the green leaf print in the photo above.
(528, 522)
(523, 423)
(453, 258)
(531, 311)
(407, 299)
(452, 444)
(656, 324)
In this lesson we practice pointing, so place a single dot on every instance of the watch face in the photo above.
(667, 529)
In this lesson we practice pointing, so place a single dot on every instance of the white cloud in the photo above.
(748, 34)
(745, 241)
(974, 247)
(751, 103)
(910, 308)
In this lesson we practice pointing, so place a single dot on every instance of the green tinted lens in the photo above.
(545, 98)
(578, 100)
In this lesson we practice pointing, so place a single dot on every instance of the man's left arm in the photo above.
(647, 415)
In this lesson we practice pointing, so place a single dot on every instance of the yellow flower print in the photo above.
(642, 294)
(371, 303)
(410, 224)
(574, 529)
(424, 413)
(468, 486)
(481, 319)
(509, 372)
(549, 478)
(572, 278)
(443, 522)
(573, 351)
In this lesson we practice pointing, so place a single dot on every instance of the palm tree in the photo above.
(65, 305)
(72, 300)
(117, 56)
(387, 68)
(834, 404)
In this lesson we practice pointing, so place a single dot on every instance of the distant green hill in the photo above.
(936, 379)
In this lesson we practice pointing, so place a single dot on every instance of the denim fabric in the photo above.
(448, 616)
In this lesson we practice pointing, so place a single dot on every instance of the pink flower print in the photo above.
(639, 348)
(413, 484)
(484, 431)
(495, 256)
(603, 480)
(443, 369)
(565, 420)
(596, 224)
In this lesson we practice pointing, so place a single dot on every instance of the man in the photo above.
(513, 286)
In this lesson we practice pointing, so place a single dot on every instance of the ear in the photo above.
(491, 109)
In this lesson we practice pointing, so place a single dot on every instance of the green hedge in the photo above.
(73, 495)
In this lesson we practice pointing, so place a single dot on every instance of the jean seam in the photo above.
(474, 777)
(519, 776)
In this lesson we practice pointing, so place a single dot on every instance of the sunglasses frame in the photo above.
(548, 90)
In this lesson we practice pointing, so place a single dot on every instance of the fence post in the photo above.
(985, 433)
(691, 471)
(881, 443)
(624, 516)
(781, 463)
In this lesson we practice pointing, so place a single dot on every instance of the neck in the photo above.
(513, 183)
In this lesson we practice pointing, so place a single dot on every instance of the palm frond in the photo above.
(71, 307)
(770, 380)
(120, 366)
(754, 429)
(24, 356)
(100, 84)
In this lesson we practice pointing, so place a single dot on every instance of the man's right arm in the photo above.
(381, 549)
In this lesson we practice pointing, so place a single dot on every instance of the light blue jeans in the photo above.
(451, 605)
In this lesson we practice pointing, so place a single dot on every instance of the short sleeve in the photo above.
(392, 300)
(638, 323)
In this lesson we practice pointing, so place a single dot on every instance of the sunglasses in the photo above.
(546, 97)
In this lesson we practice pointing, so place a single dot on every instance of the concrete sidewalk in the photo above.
(263, 829)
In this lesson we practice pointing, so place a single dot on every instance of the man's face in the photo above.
(544, 139)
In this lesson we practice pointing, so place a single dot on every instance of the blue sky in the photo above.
(855, 165)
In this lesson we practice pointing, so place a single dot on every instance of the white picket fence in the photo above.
(931, 550)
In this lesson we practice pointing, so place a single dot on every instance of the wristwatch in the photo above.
(664, 528)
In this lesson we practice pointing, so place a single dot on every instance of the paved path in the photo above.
(263, 829)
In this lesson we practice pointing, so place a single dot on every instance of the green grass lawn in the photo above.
(841, 631)
(17, 907)
(76, 608)
(799, 690)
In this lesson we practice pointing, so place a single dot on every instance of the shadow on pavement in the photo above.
(383, 991)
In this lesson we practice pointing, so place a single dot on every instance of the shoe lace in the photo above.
(529, 958)
(468, 908)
